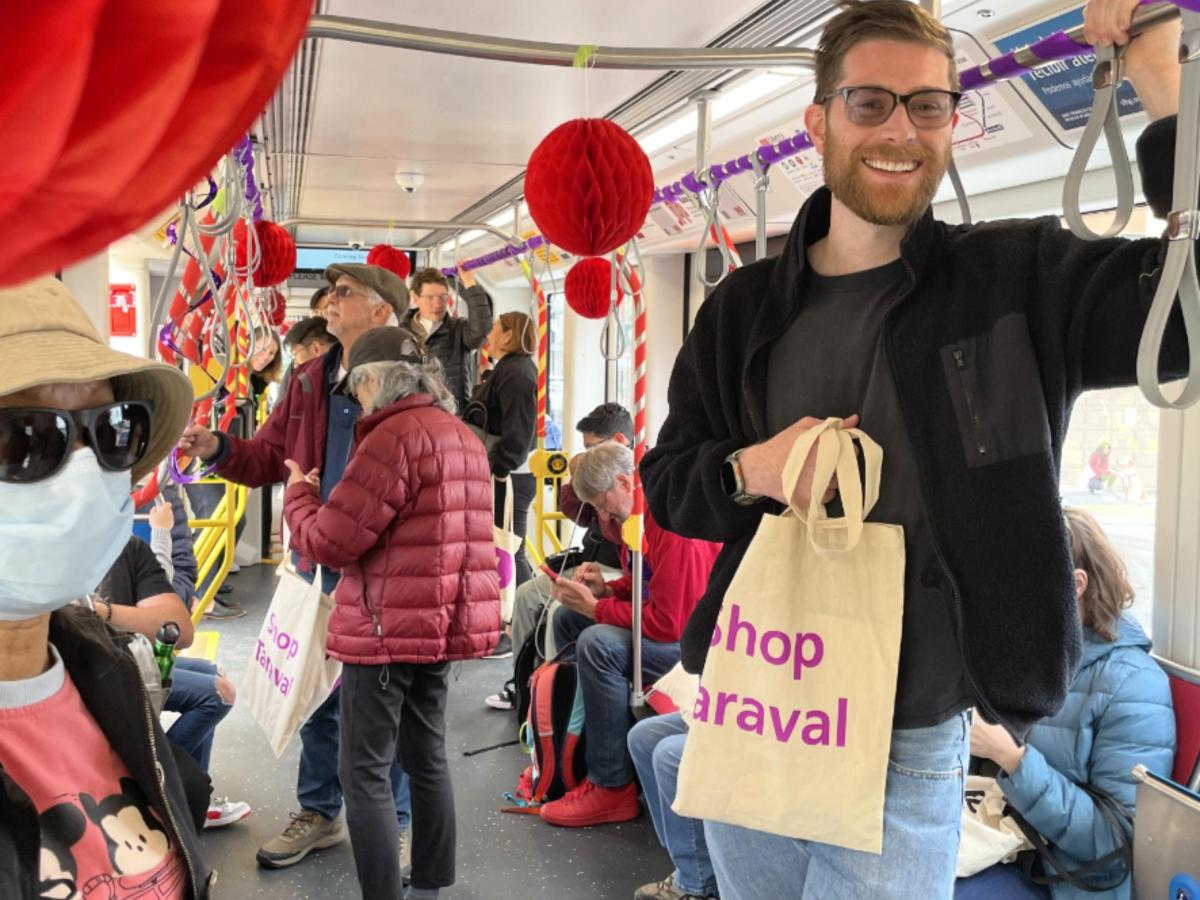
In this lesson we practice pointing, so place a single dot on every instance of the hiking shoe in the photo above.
(503, 649)
(591, 804)
(406, 856)
(222, 811)
(506, 699)
(222, 611)
(307, 832)
(667, 890)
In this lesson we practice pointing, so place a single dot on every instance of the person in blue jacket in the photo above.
(1117, 714)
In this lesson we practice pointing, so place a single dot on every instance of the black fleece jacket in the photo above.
(454, 340)
(506, 405)
(111, 688)
(1000, 328)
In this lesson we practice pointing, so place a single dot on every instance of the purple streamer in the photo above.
(180, 477)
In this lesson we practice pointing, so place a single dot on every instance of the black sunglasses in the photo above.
(871, 106)
(36, 443)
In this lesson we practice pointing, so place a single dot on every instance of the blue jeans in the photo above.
(317, 785)
(999, 882)
(656, 746)
(921, 821)
(194, 696)
(604, 661)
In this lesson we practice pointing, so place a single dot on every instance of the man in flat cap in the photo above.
(314, 425)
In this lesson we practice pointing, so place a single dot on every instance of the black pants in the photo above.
(390, 712)
(524, 487)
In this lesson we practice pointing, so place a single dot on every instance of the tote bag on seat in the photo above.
(791, 730)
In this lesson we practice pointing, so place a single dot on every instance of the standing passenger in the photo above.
(410, 527)
(963, 350)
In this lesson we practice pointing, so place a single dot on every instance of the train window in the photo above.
(1110, 459)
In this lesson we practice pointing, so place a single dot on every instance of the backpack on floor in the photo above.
(553, 734)
(529, 657)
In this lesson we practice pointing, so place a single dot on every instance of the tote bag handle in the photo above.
(836, 454)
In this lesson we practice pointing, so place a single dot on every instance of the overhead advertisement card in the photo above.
(1065, 87)
(987, 119)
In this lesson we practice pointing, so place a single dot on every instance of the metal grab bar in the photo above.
(480, 46)
(218, 539)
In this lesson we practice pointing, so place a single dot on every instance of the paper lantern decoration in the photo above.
(97, 146)
(276, 252)
(588, 186)
(390, 258)
(277, 308)
(589, 286)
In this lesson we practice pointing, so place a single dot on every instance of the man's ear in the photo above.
(814, 121)
(619, 438)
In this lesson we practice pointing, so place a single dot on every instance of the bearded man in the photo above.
(960, 350)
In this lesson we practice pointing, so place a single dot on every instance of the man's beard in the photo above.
(882, 204)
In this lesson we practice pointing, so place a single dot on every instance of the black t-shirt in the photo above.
(831, 362)
(135, 576)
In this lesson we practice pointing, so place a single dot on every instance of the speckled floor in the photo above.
(499, 855)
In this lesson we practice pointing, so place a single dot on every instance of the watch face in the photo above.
(728, 479)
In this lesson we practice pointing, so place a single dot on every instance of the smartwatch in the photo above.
(732, 481)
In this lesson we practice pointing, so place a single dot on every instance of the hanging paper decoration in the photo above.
(276, 252)
(390, 258)
(588, 186)
(277, 307)
(97, 148)
(589, 287)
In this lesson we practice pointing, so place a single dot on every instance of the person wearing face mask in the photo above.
(449, 339)
(84, 764)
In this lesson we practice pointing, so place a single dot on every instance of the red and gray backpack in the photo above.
(553, 736)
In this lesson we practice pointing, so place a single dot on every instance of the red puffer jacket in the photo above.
(410, 526)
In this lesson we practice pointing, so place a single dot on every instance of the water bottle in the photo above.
(164, 650)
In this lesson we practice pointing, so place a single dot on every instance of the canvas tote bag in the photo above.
(989, 835)
(507, 546)
(791, 729)
(289, 675)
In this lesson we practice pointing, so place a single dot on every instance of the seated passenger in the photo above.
(1118, 714)
(656, 747)
(410, 527)
(607, 422)
(82, 764)
(135, 595)
(598, 618)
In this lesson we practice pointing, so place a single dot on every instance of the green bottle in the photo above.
(164, 650)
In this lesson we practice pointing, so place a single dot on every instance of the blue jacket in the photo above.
(183, 556)
(1117, 713)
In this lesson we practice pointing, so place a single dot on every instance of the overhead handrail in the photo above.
(480, 46)
(416, 224)
(708, 196)
(1179, 278)
(1105, 119)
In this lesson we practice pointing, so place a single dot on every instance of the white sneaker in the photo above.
(222, 811)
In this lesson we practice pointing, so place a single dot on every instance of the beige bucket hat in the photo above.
(45, 336)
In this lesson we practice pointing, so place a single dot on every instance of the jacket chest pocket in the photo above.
(996, 389)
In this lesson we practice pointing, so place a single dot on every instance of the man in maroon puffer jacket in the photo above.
(410, 527)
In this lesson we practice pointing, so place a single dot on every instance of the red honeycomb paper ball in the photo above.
(276, 252)
(391, 259)
(588, 287)
(588, 186)
(278, 307)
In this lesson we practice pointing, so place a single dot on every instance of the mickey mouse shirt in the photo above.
(100, 836)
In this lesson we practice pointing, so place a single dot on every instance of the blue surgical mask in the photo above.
(60, 536)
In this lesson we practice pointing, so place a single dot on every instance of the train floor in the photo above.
(499, 855)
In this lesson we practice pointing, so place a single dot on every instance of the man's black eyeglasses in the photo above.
(36, 443)
(871, 106)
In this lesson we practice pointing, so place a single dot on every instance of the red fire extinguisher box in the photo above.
(122, 310)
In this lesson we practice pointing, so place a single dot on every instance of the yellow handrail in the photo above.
(218, 540)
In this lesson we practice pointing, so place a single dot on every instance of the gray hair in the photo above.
(597, 470)
(375, 298)
(400, 378)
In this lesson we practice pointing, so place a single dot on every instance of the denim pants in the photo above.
(656, 745)
(604, 660)
(397, 711)
(921, 823)
(317, 785)
(194, 696)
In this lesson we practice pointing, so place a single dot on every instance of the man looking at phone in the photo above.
(598, 619)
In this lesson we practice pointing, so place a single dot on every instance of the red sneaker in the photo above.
(590, 804)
